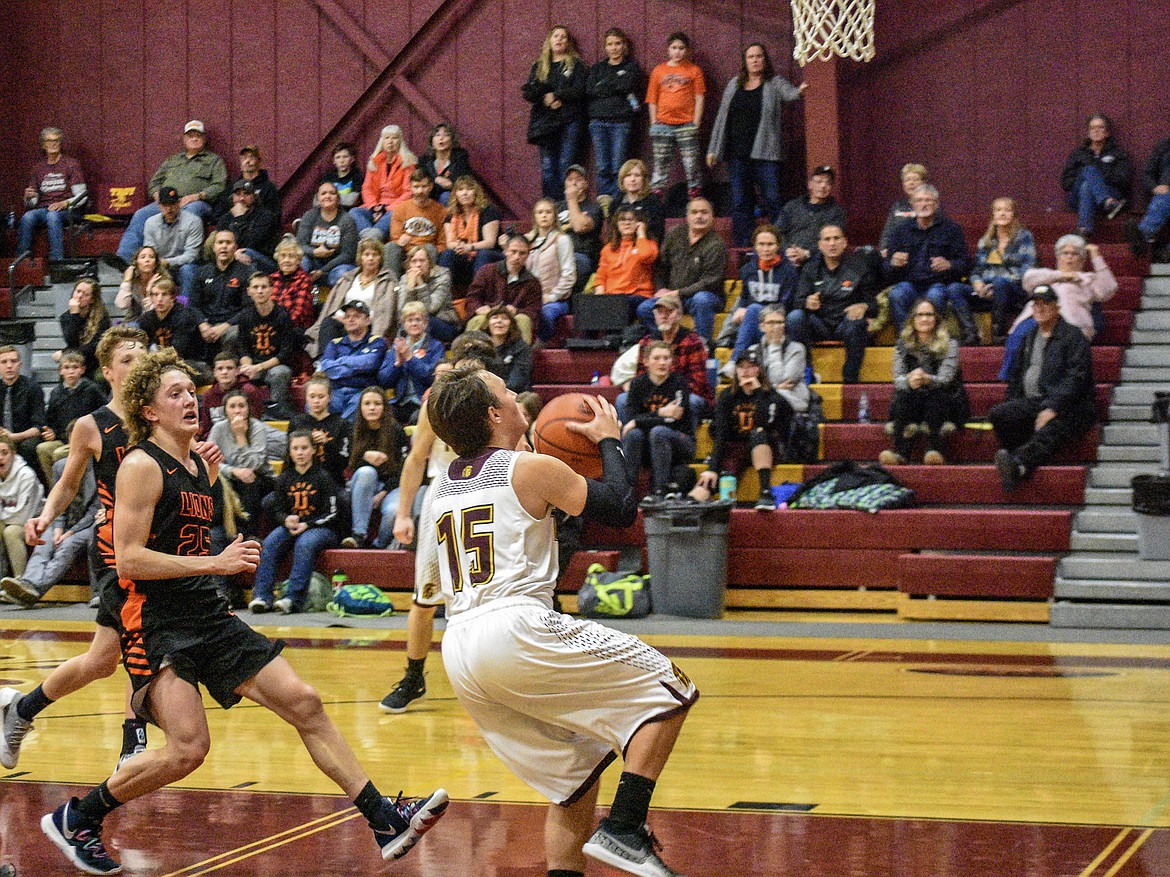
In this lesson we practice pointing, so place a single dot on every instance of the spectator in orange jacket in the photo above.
(386, 184)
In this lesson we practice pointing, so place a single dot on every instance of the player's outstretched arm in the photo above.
(85, 442)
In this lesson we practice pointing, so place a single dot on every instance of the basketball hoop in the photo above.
(823, 28)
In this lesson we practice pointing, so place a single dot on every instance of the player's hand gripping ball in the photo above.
(551, 436)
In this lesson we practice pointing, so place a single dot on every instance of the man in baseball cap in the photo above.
(352, 361)
(199, 177)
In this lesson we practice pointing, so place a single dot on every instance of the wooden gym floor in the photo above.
(810, 757)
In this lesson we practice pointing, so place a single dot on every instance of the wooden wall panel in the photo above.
(990, 94)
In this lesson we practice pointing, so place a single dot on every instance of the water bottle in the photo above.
(727, 487)
(596, 379)
(863, 408)
(339, 579)
(634, 105)
(713, 373)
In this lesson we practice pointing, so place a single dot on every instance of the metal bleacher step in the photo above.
(1109, 496)
(1152, 320)
(1130, 434)
(1117, 567)
(1147, 336)
(1115, 474)
(1103, 541)
(1137, 394)
(1128, 454)
(1104, 614)
(1111, 589)
(1103, 519)
(1145, 374)
(1129, 413)
(1153, 355)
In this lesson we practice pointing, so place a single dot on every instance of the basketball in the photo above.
(551, 435)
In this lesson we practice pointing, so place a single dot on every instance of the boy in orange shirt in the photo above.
(675, 99)
(417, 221)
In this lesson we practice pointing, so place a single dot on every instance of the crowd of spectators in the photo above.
(399, 255)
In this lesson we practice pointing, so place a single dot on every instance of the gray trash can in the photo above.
(21, 334)
(1151, 493)
(686, 549)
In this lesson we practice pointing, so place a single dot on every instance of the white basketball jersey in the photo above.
(489, 546)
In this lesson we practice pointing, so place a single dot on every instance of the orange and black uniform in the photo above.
(105, 473)
(186, 623)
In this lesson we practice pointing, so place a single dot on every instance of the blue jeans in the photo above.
(364, 484)
(442, 330)
(808, 328)
(549, 314)
(464, 268)
(557, 153)
(609, 152)
(363, 218)
(305, 549)
(1007, 298)
(311, 264)
(1012, 346)
(132, 237)
(904, 294)
(753, 181)
(667, 447)
(260, 262)
(1157, 215)
(749, 330)
(54, 222)
(702, 306)
(186, 278)
(1089, 192)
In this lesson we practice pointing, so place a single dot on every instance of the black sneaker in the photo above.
(81, 845)
(410, 820)
(1011, 471)
(410, 688)
(635, 852)
(765, 503)
(1138, 244)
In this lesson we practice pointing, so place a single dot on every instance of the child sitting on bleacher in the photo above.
(76, 396)
(331, 432)
(659, 427)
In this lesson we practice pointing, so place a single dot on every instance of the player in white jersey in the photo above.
(556, 698)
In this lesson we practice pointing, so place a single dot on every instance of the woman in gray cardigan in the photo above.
(247, 448)
(747, 136)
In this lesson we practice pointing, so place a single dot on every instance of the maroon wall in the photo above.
(991, 96)
(283, 73)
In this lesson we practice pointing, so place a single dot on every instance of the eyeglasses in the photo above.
(930, 314)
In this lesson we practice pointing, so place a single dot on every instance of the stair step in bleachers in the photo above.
(865, 441)
(841, 400)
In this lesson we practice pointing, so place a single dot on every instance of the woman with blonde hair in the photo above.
(387, 183)
(1005, 253)
(556, 90)
(912, 176)
(473, 231)
(929, 397)
(369, 283)
(550, 259)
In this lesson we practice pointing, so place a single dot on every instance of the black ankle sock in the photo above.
(765, 480)
(133, 734)
(31, 704)
(414, 666)
(565, 872)
(372, 805)
(631, 804)
(93, 808)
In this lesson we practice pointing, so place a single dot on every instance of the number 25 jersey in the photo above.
(490, 547)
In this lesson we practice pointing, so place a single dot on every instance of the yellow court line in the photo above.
(268, 843)
(1141, 839)
(1105, 853)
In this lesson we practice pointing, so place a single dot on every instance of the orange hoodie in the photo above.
(387, 185)
(630, 270)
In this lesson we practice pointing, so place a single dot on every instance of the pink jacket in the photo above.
(1076, 296)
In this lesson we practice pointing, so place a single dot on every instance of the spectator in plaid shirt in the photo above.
(690, 356)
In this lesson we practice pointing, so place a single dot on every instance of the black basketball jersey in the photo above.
(105, 473)
(181, 526)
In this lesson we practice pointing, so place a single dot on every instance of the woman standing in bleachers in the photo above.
(613, 88)
(929, 396)
(556, 90)
(1005, 253)
(748, 136)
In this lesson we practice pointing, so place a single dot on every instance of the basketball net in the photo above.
(823, 28)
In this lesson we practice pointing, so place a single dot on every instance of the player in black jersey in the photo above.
(162, 541)
(101, 438)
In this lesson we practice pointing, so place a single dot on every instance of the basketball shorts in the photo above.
(427, 591)
(556, 697)
(221, 653)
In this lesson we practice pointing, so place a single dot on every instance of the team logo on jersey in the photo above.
(429, 590)
(466, 471)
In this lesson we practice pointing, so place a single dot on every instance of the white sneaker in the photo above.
(13, 727)
(635, 853)
(284, 606)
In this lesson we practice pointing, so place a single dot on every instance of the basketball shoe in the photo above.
(409, 820)
(13, 726)
(82, 845)
(634, 852)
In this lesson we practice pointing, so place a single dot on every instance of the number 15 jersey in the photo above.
(490, 547)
